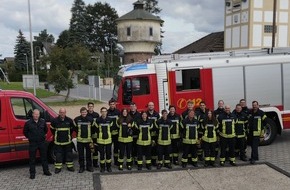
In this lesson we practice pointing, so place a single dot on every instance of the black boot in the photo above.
(109, 169)
(90, 168)
(95, 163)
(148, 166)
(184, 164)
(81, 170)
(206, 163)
(116, 161)
(212, 163)
(139, 166)
(154, 162)
(168, 166)
(57, 170)
(159, 166)
(175, 160)
(102, 168)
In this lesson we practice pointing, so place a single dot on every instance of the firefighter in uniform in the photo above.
(247, 111)
(216, 113)
(257, 119)
(125, 125)
(190, 128)
(153, 116)
(209, 138)
(114, 113)
(240, 129)
(62, 128)
(174, 133)
(35, 130)
(144, 127)
(226, 129)
(201, 113)
(135, 115)
(94, 115)
(83, 128)
(164, 125)
(104, 126)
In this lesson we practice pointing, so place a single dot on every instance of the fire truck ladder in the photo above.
(215, 55)
(5, 77)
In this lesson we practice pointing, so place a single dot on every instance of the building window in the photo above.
(150, 31)
(187, 79)
(128, 31)
(269, 29)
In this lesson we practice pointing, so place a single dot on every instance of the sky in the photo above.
(185, 21)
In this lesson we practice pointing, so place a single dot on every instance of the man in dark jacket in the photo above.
(35, 130)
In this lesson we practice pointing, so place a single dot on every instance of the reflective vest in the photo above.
(227, 125)
(94, 116)
(190, 130)
(125, 132)
(241, 123)
(256, 122)
(209, 132)
(84, 129)
(154, 116)
(114, 115)
(175, 130)
(62, 130)
(104, 130)
(164, 127)
(144, 128)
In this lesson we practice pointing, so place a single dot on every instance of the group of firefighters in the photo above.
(198, 132)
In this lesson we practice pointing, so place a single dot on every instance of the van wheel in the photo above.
(51, 153)
(270, 132)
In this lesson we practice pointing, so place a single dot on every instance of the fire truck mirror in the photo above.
(127, 92)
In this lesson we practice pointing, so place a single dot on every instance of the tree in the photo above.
(78, 24)
(21, 52)
(63, 39)
(65, 63)
(152, 7)
(102, 27)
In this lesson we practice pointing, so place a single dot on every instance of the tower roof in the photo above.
(138, 13)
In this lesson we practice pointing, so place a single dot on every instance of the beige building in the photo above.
(249, 24)
(138, 33)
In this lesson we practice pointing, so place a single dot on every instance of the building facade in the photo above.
(138, 33)
(249, 24)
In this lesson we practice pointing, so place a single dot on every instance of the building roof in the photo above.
(138, 13)
(210, 43)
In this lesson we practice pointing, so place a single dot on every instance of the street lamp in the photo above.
(26, 63)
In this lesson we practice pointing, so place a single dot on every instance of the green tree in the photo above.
(102, 27)
(63, 39)
(21, 52)
(64, 65)
(78, 24)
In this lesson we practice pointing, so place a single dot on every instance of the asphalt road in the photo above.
(16, 175)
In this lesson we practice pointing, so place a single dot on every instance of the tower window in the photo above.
(128, 31)
(269, 29)
(150, 31)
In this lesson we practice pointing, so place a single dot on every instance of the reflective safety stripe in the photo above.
(69, 164)
(224, 128)
(233, 159)
(184, 160)
(129, 159)
(222, 159)
(120, 160)
(139, 162)
(56, 136)
(108, 161)
(259, 125)
(79, 137)
(95, 158)
(207, 158)
(148, 162)
(58, 165)
(194, 159)
(212, 158)
(167, 161)
(102, 161)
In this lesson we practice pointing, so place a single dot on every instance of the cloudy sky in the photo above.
(185, 20)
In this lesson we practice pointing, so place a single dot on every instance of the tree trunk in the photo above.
(68, 88)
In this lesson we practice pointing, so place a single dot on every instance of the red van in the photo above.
(16, 109)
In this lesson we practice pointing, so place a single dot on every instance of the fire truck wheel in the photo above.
(51, 153)
(270, 132)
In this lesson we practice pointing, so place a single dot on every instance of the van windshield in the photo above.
(116, 87)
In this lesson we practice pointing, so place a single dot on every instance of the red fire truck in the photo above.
(16, 109)
(262, 75)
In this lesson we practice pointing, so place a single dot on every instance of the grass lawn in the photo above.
(72, 103)
(40, 93)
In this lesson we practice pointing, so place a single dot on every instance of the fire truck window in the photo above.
(23, 108)
(187, 79)
(140, 86)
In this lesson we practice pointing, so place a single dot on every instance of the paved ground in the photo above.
(16, 176)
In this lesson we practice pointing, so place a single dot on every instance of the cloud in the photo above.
(185, 20)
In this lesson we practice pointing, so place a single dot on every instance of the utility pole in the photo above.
(31, 47)
(274, 24)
